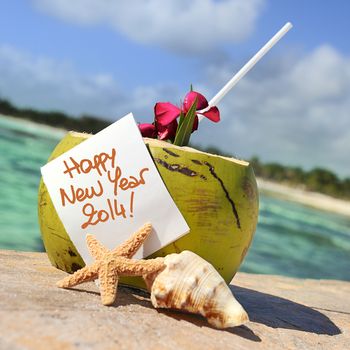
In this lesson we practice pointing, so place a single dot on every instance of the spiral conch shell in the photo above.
(190, 283)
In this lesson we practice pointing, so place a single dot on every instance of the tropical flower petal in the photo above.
(167, 132)
(213, 114)
(165, 113)
(189, 99)
(148, 130)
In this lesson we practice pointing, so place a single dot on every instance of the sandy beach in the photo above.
(312, 199)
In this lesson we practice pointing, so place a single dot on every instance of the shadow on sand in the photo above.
(267, 309)
(277, 312)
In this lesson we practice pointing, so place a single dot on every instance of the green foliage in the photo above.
(185, 126)
(86, 123)
(317, 180)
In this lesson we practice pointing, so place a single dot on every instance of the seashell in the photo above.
(190, 283)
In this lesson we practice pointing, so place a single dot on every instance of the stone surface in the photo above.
(285, 313)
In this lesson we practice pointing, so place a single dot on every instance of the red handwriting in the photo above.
(104, 164)
(86, 165)
(95, 216)
(80, 194)
(124, 183)
(132, 204)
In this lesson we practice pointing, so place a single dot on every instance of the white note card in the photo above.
(108, 186)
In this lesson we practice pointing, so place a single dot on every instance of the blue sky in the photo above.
(108, 58)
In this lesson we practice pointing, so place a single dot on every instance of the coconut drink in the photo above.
(217, 196)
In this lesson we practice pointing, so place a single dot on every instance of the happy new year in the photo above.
(103, 164)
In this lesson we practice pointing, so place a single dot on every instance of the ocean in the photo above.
(291, 239)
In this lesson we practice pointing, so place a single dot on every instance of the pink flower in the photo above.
(212, 113)
(148, 130)
(166, 132)
(166, 114)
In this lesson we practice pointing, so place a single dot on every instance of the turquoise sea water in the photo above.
(291, 239)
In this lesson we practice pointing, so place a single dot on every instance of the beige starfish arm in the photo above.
(128, 267)
(86, 274)
(133, 244)
(96, 249)
(108, 282)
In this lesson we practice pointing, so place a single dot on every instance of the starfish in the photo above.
(109, 265)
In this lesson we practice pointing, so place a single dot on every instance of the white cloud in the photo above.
(46, 84)
(298, 114)
(177, 25)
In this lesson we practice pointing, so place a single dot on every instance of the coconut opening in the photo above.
(159, 143)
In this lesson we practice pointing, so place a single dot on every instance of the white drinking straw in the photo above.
(248, 66)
